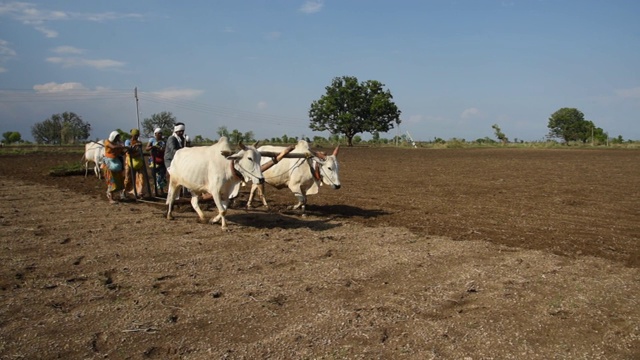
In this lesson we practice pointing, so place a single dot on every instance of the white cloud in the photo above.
(6, 54)
(312, 6)
(229, 29)
(632, 93)
(470, 112)
(31, 15)
(67, 50)
(262, 105)
(178, 93)
(54, 87)
(76, 62)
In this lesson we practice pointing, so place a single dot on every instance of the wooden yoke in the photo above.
(277, 158)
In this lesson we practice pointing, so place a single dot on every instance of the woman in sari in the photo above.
(113, 167)
(134, 167)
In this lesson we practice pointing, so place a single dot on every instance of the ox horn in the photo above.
(320, 155)
(241, 145)
(335, 151)
(255, 145)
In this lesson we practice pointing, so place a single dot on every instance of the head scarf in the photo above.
(157, 130)
(112, 136)
(178, 137)
(135, 132)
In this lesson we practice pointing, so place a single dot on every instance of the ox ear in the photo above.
(335, 151)
(226, 153)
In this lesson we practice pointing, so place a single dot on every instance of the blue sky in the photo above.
(454, 67)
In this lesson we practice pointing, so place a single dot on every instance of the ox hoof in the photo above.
(170, 217)
(202, 221)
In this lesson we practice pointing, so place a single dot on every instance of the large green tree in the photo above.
(65, 128)
(164, 120)
(569, 124)
(11, 137)
(350, 108)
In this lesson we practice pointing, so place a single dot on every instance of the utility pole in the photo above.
(412, 141)
(135, 94)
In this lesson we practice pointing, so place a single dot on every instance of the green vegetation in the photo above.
(67, 169)
(349, 108)
(164, 120)
(11, 137)
(569, 125)
(65, 128)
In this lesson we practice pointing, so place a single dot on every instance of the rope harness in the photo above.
(238, 174)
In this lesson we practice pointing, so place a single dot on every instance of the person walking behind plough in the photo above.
(113, 168)
(156, 147)
(134, 161)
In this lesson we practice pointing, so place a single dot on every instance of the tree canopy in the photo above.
(499, 134)
(569, 124)
(11, 137)
(350, 108)
(164, 120)
(65, 128)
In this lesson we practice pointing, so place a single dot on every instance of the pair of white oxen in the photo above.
(217, 170)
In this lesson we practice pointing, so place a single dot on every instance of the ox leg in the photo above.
(171, 198)
(302, 202)
(253, 190)
(222, 209)
(86, 169)
(196, 206)
(260, 189)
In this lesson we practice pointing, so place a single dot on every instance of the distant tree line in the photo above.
(347, 109)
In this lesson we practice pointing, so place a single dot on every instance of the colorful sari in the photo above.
(114, 179)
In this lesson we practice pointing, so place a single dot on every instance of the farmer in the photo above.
(156, 147)
(175, 142)
(134, 161)
(113, 167)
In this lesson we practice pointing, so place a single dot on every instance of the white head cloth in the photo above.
(157, 130)
(178, 128)
(112, 136)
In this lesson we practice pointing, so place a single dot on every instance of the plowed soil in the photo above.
(422, 254)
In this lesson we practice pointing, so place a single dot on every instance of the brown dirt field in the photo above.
(423, 254)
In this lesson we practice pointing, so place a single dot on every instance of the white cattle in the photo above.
(301, 175)
(93, 152)
(212, 170)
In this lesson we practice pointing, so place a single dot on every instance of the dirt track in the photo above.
(492, 253)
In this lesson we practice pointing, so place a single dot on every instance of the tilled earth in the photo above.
(470, 253)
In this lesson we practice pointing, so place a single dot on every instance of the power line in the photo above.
(23, 95)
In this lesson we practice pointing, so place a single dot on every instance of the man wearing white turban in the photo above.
(175, 142)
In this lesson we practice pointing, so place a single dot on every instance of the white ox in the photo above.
(93, 152)
(212, 170)
(301, 175)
